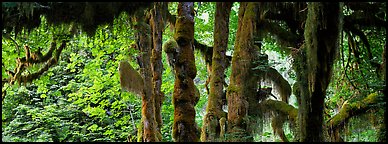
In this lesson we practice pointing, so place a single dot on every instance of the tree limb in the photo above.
(349, 110)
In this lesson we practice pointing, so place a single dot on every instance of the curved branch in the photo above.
(349, 110)
(282, 36)
(280, 84)
(365, 14)
(281, 107)
(51, 62)
(24, 62)
(350, 28)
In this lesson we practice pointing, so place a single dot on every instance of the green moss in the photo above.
(140, 131)
(233, 89)
(170, 46)
(371, 98)
(238, 135)
(184, 31)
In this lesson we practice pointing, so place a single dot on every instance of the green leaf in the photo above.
(43, 96)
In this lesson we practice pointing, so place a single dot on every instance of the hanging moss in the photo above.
(277, 126)
(280, 84)
(88, 15)
(130, 79)
(321, 43)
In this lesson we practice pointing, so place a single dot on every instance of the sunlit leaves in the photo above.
(86, 76)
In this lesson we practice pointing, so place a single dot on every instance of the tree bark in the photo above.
(243, 83)
(184, 98)
(323, 26)
(148, 101)
(211, 127)
(157, 26)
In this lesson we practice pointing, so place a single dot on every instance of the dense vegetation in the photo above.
(79, 97)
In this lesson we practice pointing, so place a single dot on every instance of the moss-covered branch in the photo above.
(349, 110)
(280, 84)
(336, 122)
(20, 15)
(31, 59)
(281, 107)
(284, 37)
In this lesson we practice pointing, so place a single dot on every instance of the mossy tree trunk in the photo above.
(157, 26)
(143, 38)
(323, 26)
(211, 126)
(255, 115)
(383, 129)
(243, 83)
(184, 99)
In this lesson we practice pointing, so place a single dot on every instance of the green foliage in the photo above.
(77, 100)
(352, 81)
(204, 23)
(80, 98)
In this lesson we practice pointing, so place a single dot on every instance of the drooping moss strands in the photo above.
(322, 39)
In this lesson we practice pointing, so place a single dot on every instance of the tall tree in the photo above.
(184, 98)
(143, 37)
(242, 80)
(213, 127)
(157, 26)
(322, 29)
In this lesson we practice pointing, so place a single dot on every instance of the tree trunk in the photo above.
(157, 26)
(211, 127)
(382, 130)
(184, 99)
(322, 29)
(243, 83)
(148, 107)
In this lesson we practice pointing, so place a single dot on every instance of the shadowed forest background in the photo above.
(193, 71)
